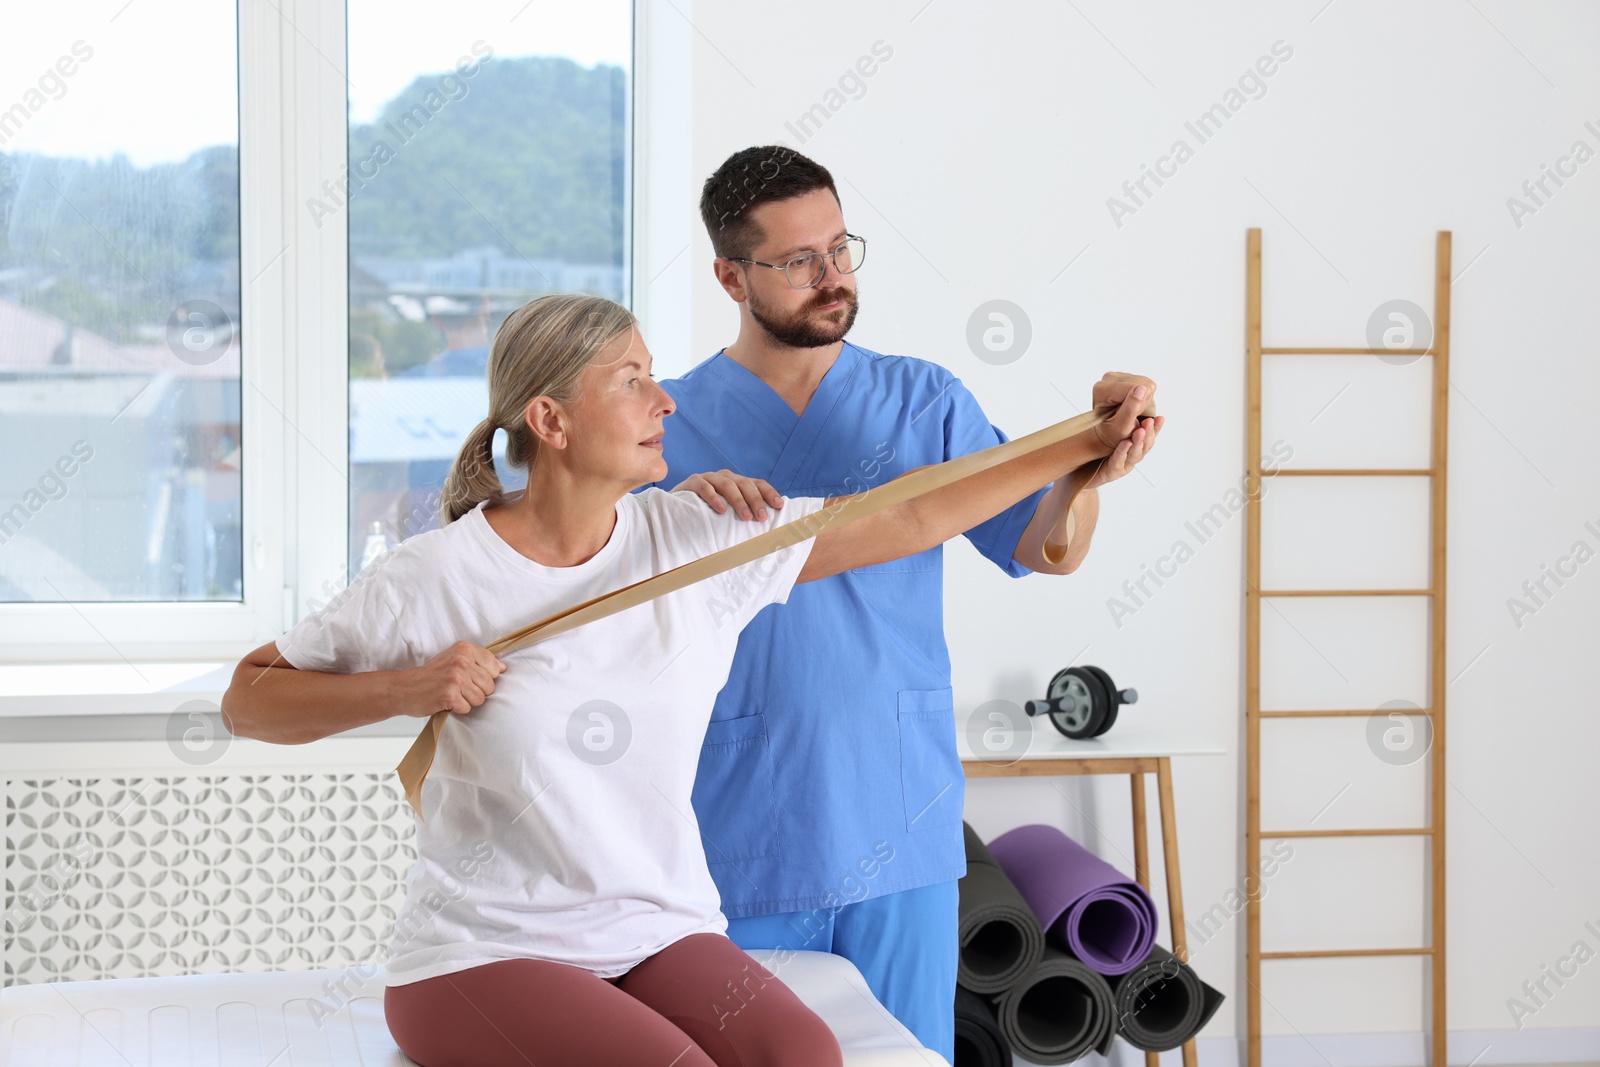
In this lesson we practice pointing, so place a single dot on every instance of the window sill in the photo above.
(110, 688)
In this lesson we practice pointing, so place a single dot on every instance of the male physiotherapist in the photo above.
(829, 793)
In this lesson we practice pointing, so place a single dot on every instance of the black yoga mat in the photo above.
(979, 1042)
(1001, 940)
(1059, 1012)
(1162, 1003)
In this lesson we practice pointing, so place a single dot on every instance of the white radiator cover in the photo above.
(133, 873)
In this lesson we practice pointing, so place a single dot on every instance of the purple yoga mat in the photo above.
(1085, 905)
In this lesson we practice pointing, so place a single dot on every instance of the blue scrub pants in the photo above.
(904, 944)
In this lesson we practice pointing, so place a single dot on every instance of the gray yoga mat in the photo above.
(979, 1042)
(1162, 1003)
(1057, 1014)
(1001, 939)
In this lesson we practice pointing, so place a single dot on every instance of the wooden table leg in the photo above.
(1141, 839)
(1141, 863)
(1169, 845)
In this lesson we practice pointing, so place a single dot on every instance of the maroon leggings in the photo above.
(699, 1002)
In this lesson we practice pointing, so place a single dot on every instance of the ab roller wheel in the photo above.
(1082, 702)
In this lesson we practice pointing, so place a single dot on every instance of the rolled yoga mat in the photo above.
(1001, 939)
(979, 1042)
(1085, 905)
(1059, 1012)
(1162, 1003)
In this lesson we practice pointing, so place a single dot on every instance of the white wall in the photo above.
(979, 161)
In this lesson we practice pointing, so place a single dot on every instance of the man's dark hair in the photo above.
(747, 179)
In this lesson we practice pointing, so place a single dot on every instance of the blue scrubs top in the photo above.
(834, 739)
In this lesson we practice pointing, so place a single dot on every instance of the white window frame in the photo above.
(130, 633)
(294, 311)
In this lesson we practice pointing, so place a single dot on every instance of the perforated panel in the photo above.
(123, 877)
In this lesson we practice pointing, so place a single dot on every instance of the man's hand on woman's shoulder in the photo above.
(749, 497)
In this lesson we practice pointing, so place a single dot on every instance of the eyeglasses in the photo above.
(805, 271)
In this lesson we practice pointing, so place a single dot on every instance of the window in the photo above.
(120, 443)
(235, 332)
(488, 164)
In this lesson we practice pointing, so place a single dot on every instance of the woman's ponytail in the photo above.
(472, 478)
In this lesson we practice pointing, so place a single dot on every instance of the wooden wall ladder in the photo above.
(1439, 350)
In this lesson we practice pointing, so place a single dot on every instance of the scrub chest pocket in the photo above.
(931, 778)
(735, 775)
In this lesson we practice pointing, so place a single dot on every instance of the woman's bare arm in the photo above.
(933, 518)
(269, 700)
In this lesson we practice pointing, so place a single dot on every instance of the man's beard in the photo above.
(798, 330)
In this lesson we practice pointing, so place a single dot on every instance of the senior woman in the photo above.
(561, 909)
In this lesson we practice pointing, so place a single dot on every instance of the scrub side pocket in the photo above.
(733, 794)
(931, 780)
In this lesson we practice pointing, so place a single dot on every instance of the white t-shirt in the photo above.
(558, 823)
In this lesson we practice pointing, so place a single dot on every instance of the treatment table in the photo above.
(267, 1018)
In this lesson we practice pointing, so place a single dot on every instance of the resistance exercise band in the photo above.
(413, 768)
